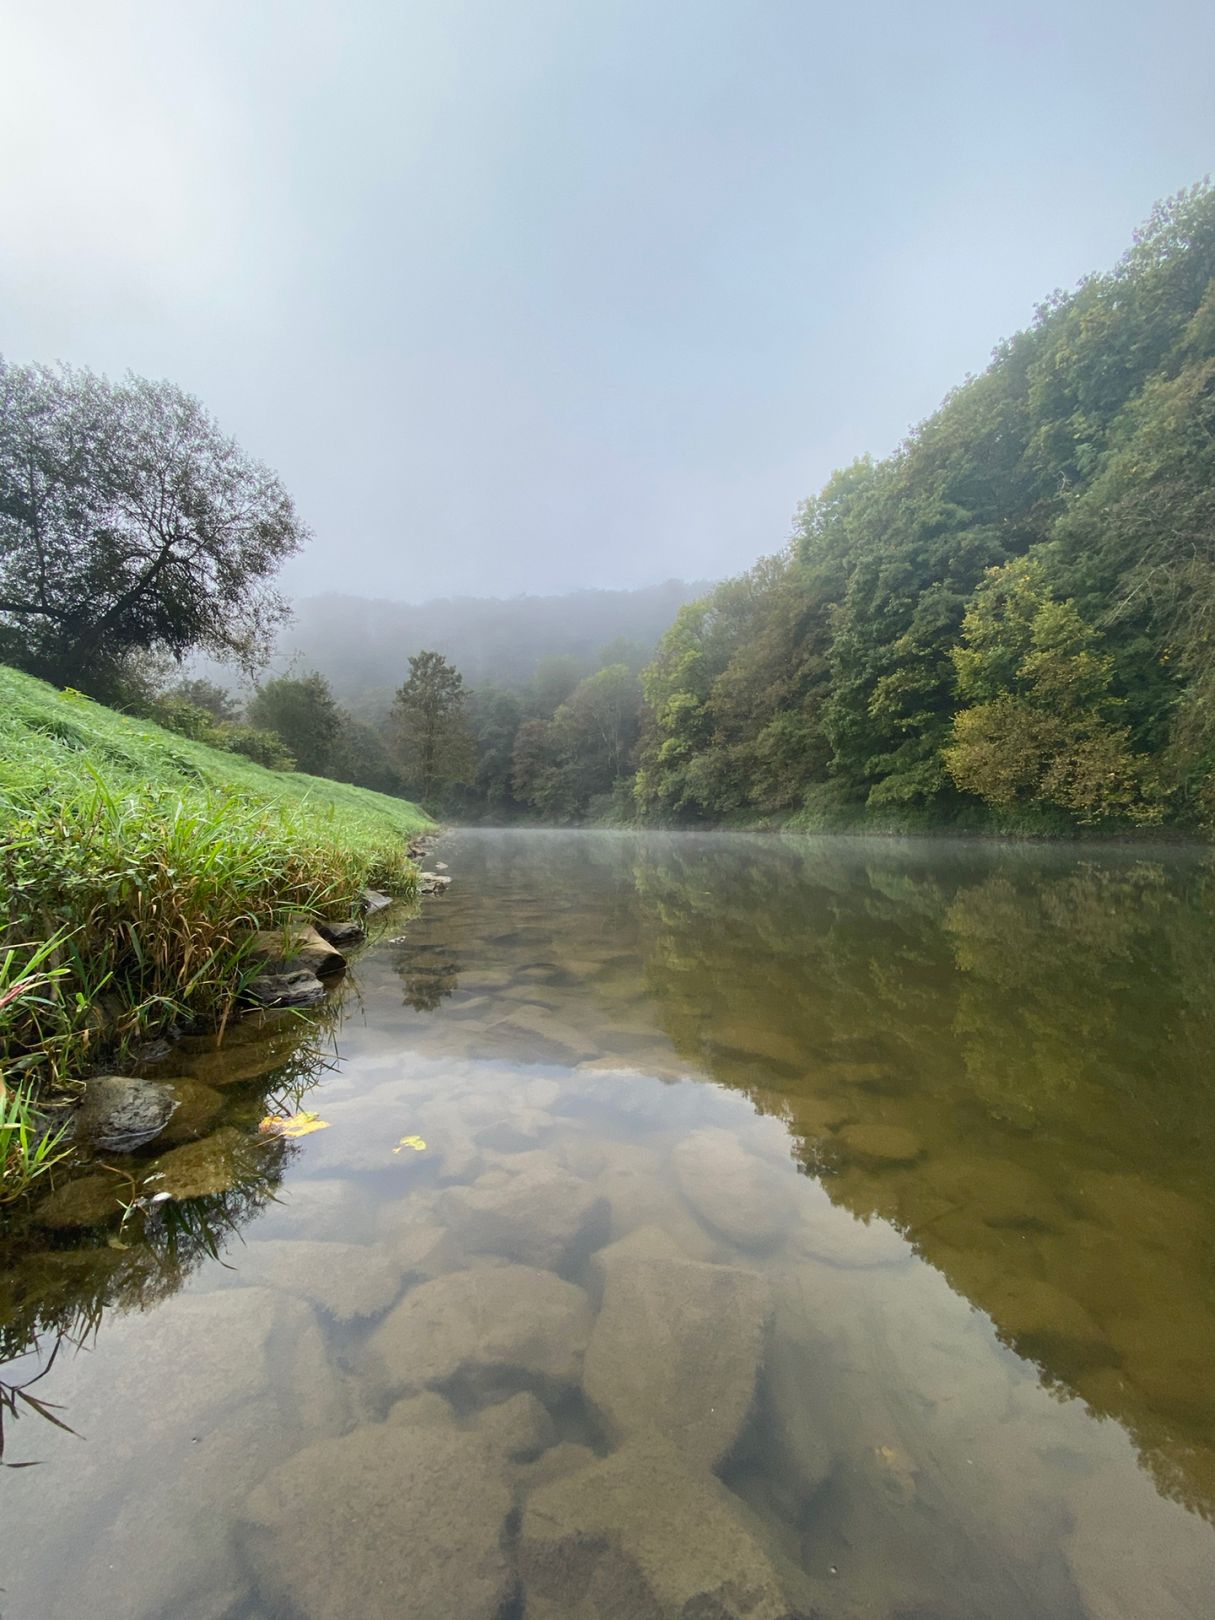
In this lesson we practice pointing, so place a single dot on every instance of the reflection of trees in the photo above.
(1041, 1022)
(429, 974)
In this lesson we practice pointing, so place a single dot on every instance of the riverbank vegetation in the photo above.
(1011, 619)
(135, 865)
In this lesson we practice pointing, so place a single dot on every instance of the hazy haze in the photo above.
(530, 296)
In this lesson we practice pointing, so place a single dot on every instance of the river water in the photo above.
(701, 1226)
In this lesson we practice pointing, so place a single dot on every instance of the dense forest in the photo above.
(1015, 611)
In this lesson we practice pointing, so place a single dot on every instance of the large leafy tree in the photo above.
(431, 728)
(130, 524)
(300, 709)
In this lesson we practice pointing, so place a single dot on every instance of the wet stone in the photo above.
(676, 1351)
(295, 989)
(120, 1113)
(739, 1195)
(391, 1520)
(517, 1429)
(197, 1107)
(294, 948)
(488, 1327)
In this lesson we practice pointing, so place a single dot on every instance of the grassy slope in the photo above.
(148, 859)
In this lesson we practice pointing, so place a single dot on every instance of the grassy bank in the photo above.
(134, 863)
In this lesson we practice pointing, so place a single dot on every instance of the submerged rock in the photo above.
(199, 1169)
(395, 1519)
(538, 1216)
(490, 1327)
(676, 1351)
(86, 1201)
(197, 1106)
(641, 1534)
(372, 901)
(517, 1429)
(120, 1113)
(743, 1197)
(880, 1144)
(348, 1280)
(298, 989)
(432, 883)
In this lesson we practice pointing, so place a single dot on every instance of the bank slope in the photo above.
(146, 860)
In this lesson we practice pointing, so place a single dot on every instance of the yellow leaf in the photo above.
(414, 1142)
(302, 1124)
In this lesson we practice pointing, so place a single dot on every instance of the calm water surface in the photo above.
(801, 1229)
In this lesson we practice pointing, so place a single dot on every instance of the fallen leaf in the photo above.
(302, 1124)
(414, 1142)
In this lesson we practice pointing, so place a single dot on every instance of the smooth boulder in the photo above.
(676, 1351)
(744, 1198)
(491, 1327)
(539, 1216)
(296, 947)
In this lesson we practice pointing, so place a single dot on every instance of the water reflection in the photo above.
(805, 1200)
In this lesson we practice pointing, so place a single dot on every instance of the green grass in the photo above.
(134, 865)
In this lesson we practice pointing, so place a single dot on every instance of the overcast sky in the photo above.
(525, 295)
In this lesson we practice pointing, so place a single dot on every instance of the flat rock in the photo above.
(294, 947)
(391, 1520)
(640, 1534)
(830, 1233)
(739, 1195)
(120, 1113)
(676, 1351)
(490, 1326)
(540, 1216)
(372, 901)
(880, 1144)
(540, 1036)
(347, 1280)
(316, 1207)
(296, 989)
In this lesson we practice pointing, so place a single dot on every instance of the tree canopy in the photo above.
(130, 524)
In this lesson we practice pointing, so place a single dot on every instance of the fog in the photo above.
(535, 297)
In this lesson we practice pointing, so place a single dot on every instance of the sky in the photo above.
(532, 295)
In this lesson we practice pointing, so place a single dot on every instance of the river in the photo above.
(700, 1226)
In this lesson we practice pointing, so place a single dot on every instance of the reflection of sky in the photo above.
(536, 296)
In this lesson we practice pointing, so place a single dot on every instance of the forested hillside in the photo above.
(1016, 610)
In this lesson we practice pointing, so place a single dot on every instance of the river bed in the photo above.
(702, 1226)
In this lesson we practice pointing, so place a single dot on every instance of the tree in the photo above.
(129, 523)
(1042, 728)
(431, 730)
(205, 695)
(301, 710)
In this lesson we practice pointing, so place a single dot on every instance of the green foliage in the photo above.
(300, 711)
(430, 728)
(880, 665)
(135, 862)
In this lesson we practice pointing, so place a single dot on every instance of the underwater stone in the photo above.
(486, 1326)
(640, 1533)
(538, 1216)
(880, 1144)
(394, 1519)
(348, 1280)
(87, 1201)
(676, 1351)
(741, 1196)
(199, 1169)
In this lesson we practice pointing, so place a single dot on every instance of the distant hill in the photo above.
(362, 645)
